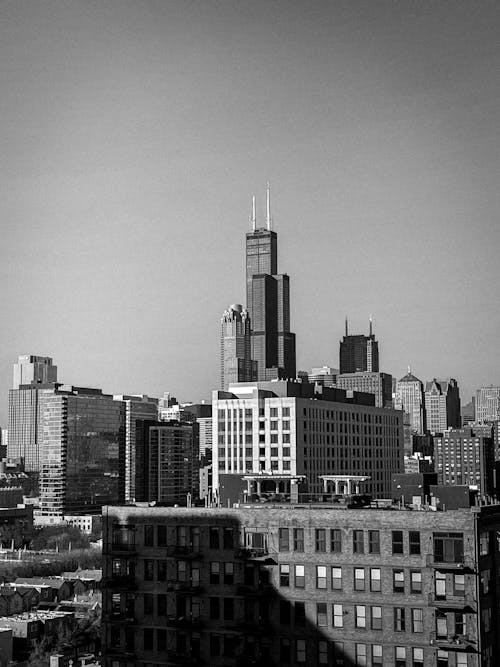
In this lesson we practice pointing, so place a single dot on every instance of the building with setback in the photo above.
(379, 384)
(236, 363)
(268, 302)
(488, 404)
(358, 353)
(464, 457)
(409, 397)
(33, 369)
(442, 405)
(298, 429)
(286, 585)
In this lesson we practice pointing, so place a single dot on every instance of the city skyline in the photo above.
(377, 127)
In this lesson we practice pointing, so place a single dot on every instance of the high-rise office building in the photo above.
(359, 353)
(442, 405)
(324, 375)
(410, 398)
(82, 452)
(236, 364)
(32, 369)
(24, 420)
(379, 384)
(488, 404)
(268, 302)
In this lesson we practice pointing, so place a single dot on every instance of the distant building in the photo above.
(488, 404)
(359, 353)
(24, 425)
(205, 426)
(324, 375)
(236, 363)
(409, 397)
(442, 405)
(379, 384)
(462, 457)
(469, 412)
(31, 369)
(4, 440)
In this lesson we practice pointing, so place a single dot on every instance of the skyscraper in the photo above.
(488, 404)
(379, 384)
(236, 364)
(268, 302)
(32, 369)
(410, 397)
(442, 405)
(359, 353)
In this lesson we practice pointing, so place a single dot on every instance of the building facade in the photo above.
(291, 428)
(442, 405)
(236, 363)
(488, 404)
(358, 353)
(33, 369)
(280, 585)
(379, 384)
(409, 397)
(463, 457)
(324, 375)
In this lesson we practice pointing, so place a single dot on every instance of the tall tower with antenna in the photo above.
(268, 300)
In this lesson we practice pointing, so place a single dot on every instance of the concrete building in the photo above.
(31, 369)
(488, 404)
(469, 412)
(236, 363)
(442, 405)
(324, 375)
(463, 457)
(359, 353)
(205, 430)
(309, 585)
(296, 429)
(268, 302)
(409, 397)
(379, 384)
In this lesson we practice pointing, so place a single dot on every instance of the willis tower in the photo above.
(268, 302)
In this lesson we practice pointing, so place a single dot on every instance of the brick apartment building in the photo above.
(281, 585)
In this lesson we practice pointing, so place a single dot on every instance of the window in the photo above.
(161, 536)
(298, 539)
(399, 619)
(285, 650)
(214, 572)
(228, 539)
(358, 546)
(284, 540)
(284, 575)
(162, 570)
(148, 604)
(214, 608)
(375, 580)
(418, 657)
(448, 547)
(459, 585)
(484, 544)
(398, 581)
(320, 539)
(397, 542)
(229, 574)
(376, 618)
(361, 655)
(215, 645)
(441, 624)
(321, 614)
(486, 616)
(485, 581)
(400, 656)
(228, 609)
(336, 540)
(336, 578)
(462, 660)
(320, 576)
(300, 651)
(161, 601)
(182, 570)
(374, 541)
(414, 536)
(459, 620)
(339, 654)
(360, 616)
(337, 616)
(299, 609)
(417, 620)
(214, 538)
(149, 570)
(415, 581)
(440, 585)
(359, 579)
(377, 654)
(299, 576)
(322, 652)
(148, 639)
(149, 540)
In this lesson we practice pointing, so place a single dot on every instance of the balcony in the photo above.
(465, 563)
(184, 551)
(186, 622)
(184, 587)
(124, 582)
(454, 642)
(260, 554)
(465, 602)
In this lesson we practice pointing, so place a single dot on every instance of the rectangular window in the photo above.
(415, 581)
(336, 540)
(229, 574)
(300, 576)
(399, 619)
(459, 585)
(398, 581)
(299, 609)
(358, 545)
(161, 536)
(161, 602)
(161, 639)
(418, 657)
(448, 547)
(148, 604)
(300, 651)
(214, 572)
(228, 539)
(215, 645)
(485, 581)
(285, 651)
(360, 655)
(320, 539)
(484, 544)
(162, 570)
(320, 576)
(148, 639)
(377, 654)
(359, 579)
(337, 616)
(459, 620)
(440, 585)
(284, 574)
(214, 538)
(149, 570)
(284, 540)
(375, 580)
(441, 624)
(149, 540)
(336, 578)
(321, 614)
(182, 567)
(400, 656)
(214, 608)
(376, 618)
(228, 609)
(298, 539)
(417, 620)
(322, 652)
(360, 616)
(374, 541)
(414, 537)
(285, 616)
(397, 542)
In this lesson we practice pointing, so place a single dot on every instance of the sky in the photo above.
(134, 134)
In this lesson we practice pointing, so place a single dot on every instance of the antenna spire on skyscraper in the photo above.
(346, 327)
(268, 206)
(254, 219)
(371, 326)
